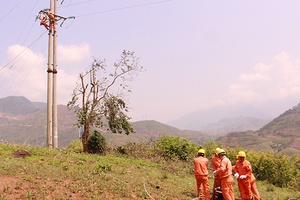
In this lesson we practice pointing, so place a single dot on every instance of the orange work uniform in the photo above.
(215, 162)
(254, 188)
(244, 169)
(225, 174)
(201, 175)
(51, 21)
(44, 22)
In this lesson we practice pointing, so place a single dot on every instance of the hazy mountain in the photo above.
(32, 128)
(19, 105)
(227, 125)
(28, 126)
(280, 135)
(223, 119)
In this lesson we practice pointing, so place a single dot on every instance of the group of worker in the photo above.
(223, 172)
(47, 20)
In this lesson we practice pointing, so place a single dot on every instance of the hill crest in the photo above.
(29, 126)
(279, 135)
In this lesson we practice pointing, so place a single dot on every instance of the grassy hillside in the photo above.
(63, 174)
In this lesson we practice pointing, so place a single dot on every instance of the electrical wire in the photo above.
(10, 99)
(23, 75)
(26, 49)
(28, 72)
(124, 8)
(22, 33)
(73, 4)
(11, 66)
(23, 52)
(10, 10)
(29, 16)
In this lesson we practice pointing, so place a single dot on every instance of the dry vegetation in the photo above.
(38, 173)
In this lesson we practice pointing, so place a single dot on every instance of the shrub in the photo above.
(210, 148)
(175, 147)
(136, 150)
(276, 168)
(97, 143)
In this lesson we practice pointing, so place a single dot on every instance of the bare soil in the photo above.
(18, 187)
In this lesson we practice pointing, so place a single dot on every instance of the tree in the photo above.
(101, 95)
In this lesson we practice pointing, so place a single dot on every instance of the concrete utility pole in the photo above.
(49, 19)
(50, 115)
(54, 130)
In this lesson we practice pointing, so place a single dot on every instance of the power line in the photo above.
(29, 16)
(73, 4)
(124, 8)
(22, 51)
(11, 10)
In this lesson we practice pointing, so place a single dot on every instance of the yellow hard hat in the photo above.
(220, 151)
(241, 154)
(201, 151)
(217, 150)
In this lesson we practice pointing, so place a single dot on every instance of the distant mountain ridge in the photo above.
(19, 105)
(280, 135)
(227, 125)
(220, 120)
(24, 122)
(27, 125)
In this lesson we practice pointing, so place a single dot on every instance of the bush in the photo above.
(175, 147)
(278, 169)
(136, 150)
(97, 143)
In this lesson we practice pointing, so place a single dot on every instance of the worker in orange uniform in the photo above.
(44, 21)
(51, 20)
(243, 172)
(225, 174)
(215, 162)
(244, 167)
(48, 17)
(201, 174)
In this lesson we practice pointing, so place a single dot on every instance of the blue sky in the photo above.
(198, 54)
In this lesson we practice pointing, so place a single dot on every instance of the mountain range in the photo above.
(220, 120)
(24, 122)
(282, 134)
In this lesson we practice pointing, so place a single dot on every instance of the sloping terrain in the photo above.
(28, 126)
(18, 105)
(240, 123)
(218, 121)
(31, 128)
(280, 135)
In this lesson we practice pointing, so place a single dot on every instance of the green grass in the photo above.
(65, 174)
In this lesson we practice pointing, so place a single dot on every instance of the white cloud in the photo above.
(252, 77)
(66, 83)
(73, 53)
(277, 80)
(26, 75)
